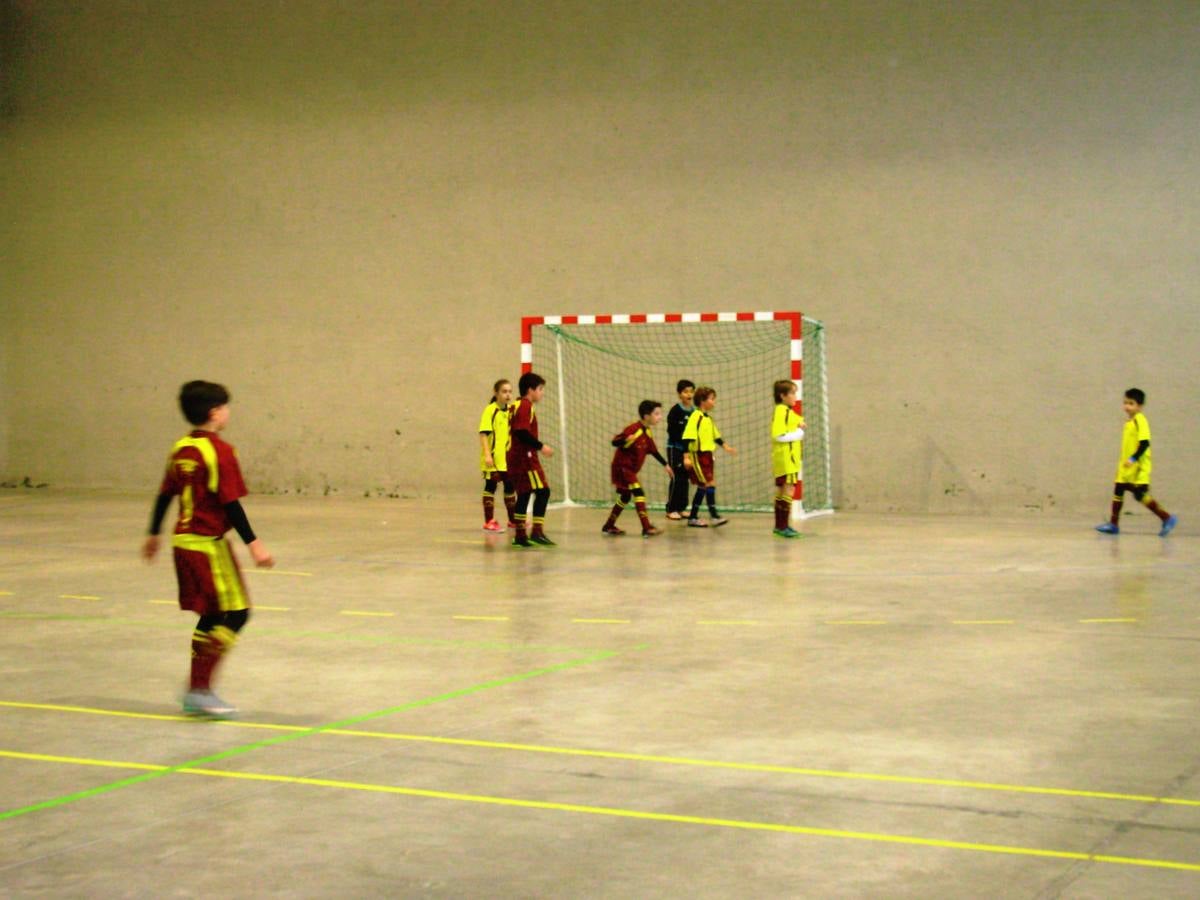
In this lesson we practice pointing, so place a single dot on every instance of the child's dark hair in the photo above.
(496, 388)
(530, 381)
(783, 387)
(684, 383)
(702, 394)
(198, 399)
(646, 407)
(1137, 395)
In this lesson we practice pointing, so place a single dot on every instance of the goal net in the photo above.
(598, 368)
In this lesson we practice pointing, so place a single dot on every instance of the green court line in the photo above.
(284, 738)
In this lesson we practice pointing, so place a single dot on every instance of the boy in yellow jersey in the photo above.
(787, 432)
(493, 456)
(203, 472)
(701, 437)
(1133, 470)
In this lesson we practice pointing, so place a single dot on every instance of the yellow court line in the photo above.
(856, 622)
(78, 597)
(258, 571)
(482, 618)
(166, 602)
(623, 813)
(256, 607)
(352, 612)
(632, 757)
(6, 593)
(727, 622)
(602, 621)
(1089, 621)
(984, 621)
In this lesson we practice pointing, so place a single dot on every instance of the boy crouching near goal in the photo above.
(524, 467)
(203, 472)
(787, 432)
(634, 444)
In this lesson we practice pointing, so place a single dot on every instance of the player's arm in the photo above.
(241, 524)
(150, 545)
(728, 448)
(1142, 447)
(485, 444)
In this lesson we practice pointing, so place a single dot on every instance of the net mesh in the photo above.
(597, 374)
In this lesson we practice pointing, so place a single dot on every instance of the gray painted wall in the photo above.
(342, 211)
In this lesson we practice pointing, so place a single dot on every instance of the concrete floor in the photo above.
(891, 707)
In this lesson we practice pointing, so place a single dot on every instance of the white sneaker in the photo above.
(208, 705)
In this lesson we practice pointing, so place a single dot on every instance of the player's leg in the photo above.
(1142, 493)
(783, 505)
(610, 527)
(217, 593)
(541, 499)
(521, 512)
(677, 496)
(510, 500)
(489, 501)
(639, 503)
(1113, 525)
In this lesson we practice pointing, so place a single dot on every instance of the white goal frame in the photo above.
(794, 319)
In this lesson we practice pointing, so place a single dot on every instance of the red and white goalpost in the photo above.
(595, 362)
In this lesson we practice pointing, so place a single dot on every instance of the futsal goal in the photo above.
(598, 368)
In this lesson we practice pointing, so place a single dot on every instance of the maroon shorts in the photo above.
(624, 479)
(210, 581)
(701, 472)
(527, 480)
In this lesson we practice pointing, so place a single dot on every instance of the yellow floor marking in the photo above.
(78, 597)
(602, 621)
(622, 813)
(856, 622)
(257, 571)
(984, 621)
(6, 593)
(351, 612)
(166, 602)
(482, 618)
(1106, 620)
(633, 757)
(727, 622)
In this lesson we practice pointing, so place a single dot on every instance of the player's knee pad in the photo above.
(623, 497)
(236, 620)
(207, 623)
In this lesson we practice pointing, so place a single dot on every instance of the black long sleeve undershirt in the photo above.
(527, 439)
(1142, 447)
(237, 517)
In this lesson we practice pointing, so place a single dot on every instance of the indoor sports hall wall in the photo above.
(342, 210)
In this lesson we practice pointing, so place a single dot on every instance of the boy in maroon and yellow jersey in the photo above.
(203, 472)
(524, 467)
(634, 444)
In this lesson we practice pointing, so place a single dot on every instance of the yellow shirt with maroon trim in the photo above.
(786, 458)
(1137, 429)
(494, 423)
(703, 430)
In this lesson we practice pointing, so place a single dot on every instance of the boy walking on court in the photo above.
(524, 467)
(1133, 470)
(787, 432)
(677, 494)
(634, 444)
(203, 472)
(702, 438)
